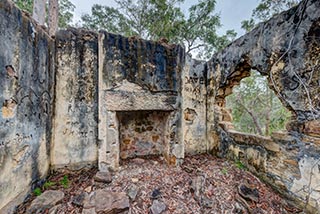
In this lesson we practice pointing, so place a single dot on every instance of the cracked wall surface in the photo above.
(74, 142)
(76, 101)
(286, 50)
(194, 107)
(138, 75)
(26, 97)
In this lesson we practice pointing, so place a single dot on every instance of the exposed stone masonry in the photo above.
(138, 75)
(285, 49)
(142, 133)
(85, 99)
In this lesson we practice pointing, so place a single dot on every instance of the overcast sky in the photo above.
(232, 12)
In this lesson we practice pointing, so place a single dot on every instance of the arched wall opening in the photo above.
(255, 108)
(249, 103)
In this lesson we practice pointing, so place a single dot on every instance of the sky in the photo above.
(232, 12)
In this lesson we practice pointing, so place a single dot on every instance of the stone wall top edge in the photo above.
(162, 41)
(276, 21)
(77, 33)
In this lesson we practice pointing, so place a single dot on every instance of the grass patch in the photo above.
(48, 184)
(65, 182)
(37, 191)
(240, 165)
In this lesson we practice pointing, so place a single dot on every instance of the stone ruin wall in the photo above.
(286, 49)
(26, 97)
(88, 99)
(136, 77)
(74, 142)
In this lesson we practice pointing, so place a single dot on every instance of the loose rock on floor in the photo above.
(203, 184)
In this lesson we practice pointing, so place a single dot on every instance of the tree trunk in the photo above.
(267, 131)
(53, 16)
(254, 118)
(269, 109)
(39, 11)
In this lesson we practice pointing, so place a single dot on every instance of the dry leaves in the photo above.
(203, 184)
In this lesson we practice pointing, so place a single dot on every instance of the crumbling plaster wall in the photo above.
(194, 107)
(99, 76)
(75, 125)
(26, 97)
(286, 49)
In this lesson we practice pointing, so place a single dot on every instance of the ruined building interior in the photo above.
(85, 99)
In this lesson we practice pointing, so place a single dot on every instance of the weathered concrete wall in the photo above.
(140, 76)
(194, 106)
(155, 66)
(289, 163)
(129, 84)
(26, 97)
(75, 129)
(286, 49)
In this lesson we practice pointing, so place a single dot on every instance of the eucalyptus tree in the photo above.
(66, 9)
(265, 10)
(255, 108)
(39, 11)
(195, 29)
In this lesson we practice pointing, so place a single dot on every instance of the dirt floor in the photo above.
(203, 184)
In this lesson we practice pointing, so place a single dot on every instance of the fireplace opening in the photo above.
(142, 133)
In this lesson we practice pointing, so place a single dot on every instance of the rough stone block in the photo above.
(46, 200)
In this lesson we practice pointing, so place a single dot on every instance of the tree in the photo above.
(248, 25)
(148, 19)
(26, 5)
(156, 19)
(39, 11)
(268, 8)
(265, 10)
(53, 16)
(66, 9)
(255, 108)
(199, 31)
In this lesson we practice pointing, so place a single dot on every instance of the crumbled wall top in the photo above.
(286, 49)
(155, 66)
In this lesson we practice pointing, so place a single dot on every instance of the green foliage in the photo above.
(148, 19)
(65, 182)
(255, 108)
(268, 8)
(240, 165)
(24, 5)
(113, 22)
(66, 9)
(156, 19)
(248, 25)
(265, 10)
(224, 170)
(37, 191)
(48, 184)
